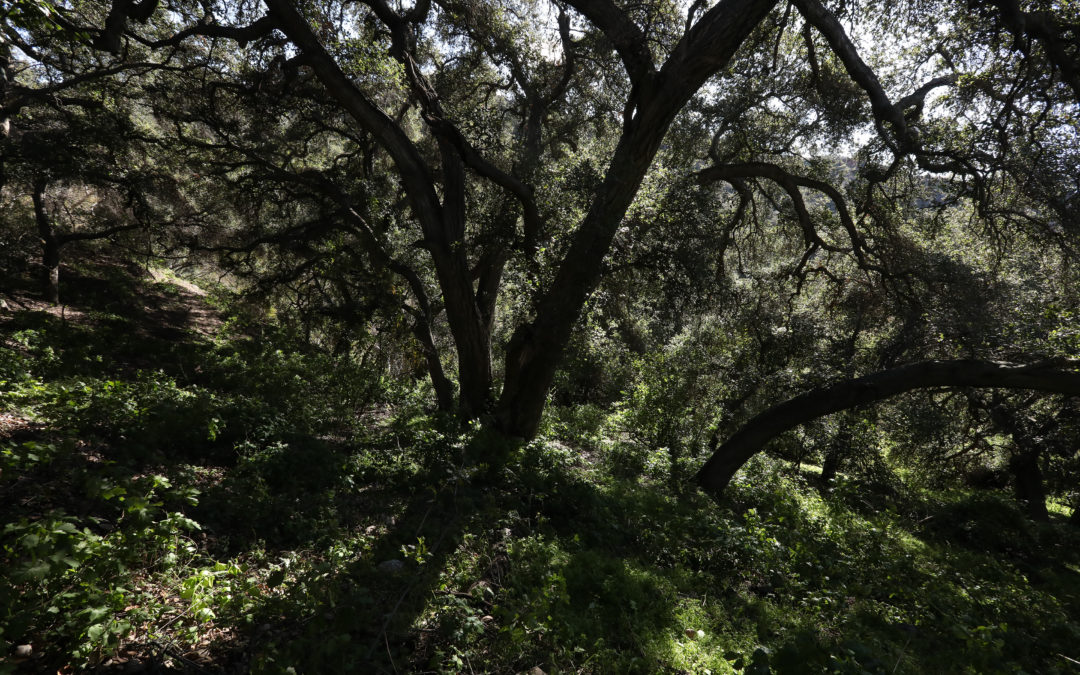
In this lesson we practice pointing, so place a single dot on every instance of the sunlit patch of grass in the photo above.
(1059, 507)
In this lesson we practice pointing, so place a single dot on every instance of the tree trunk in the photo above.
(831, 465)
(50, 246)
(7, 78)
(472, 341)
(838, 450)
(444, 389)
(536, 349)
(1055, 376)
(1028, 484)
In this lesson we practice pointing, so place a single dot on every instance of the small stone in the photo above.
(392, 566)
(24, 651)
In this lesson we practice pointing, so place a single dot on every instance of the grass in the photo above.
(239, 506)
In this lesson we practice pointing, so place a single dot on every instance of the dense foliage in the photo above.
(349, 336)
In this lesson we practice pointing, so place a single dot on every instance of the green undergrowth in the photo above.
(252, 505)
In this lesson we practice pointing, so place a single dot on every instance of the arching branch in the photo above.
(625, 35)
(791, 183)
(1062, 377)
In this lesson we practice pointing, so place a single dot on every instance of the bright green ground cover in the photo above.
(231, 505)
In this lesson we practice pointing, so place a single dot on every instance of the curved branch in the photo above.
(415, 173)
(1049, 31)
(791, 183)
(1062, 377)
(625, 35)
(241, 34)
(108, 39)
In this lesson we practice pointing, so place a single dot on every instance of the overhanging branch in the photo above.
(1061, 377)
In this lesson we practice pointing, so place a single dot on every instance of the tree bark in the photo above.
(50, 246)
(7, 79)
(1028, 484)
(1024, 465)
(444, 389)
(1054, 376)
(443, 223)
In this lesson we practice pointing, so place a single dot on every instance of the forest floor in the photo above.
(184, 488)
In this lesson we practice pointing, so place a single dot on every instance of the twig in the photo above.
(386, 641)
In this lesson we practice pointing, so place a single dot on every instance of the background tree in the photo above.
(530, 142)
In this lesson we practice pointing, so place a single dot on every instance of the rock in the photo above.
(392, 566)
(24, 651)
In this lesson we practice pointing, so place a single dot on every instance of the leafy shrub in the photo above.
(69, 579)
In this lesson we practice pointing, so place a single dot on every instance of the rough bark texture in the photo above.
(1056, 377)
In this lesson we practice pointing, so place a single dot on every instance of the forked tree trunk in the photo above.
(536, 349)
(1056, 376)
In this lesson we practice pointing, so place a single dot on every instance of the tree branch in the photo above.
(1060, 376)
(625, 35)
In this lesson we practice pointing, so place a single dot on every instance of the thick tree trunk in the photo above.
(472, 340)
(1028, 484)
(536, 350)
(50, 246)
(1057, 376)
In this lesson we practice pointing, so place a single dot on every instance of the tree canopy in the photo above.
(501, 242)
(496, 164)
